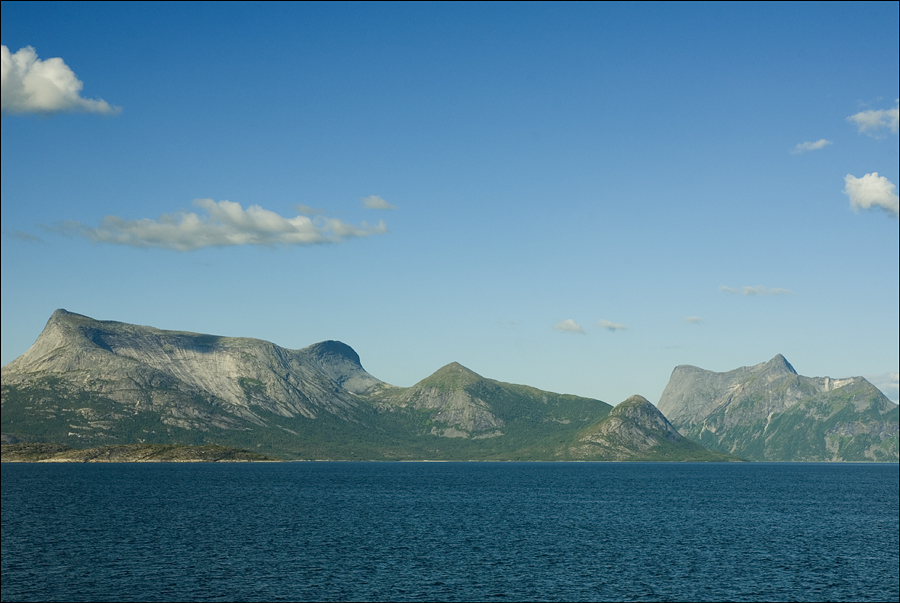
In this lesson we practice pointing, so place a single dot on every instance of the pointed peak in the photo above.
(779, 364)
(455, 367)
(451, 376)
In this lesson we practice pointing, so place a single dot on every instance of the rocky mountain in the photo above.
(455, 400)
(636, 430)
(89, 383)
(194, 381)
(769, 412)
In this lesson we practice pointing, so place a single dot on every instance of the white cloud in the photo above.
(225, 224)
(30, 85)
(874, 123)
(757, 290)
(693, 320)
(376, 202)
(888, 383)
(810, 146)
(610, 326)
(569, 326)
(871, 191)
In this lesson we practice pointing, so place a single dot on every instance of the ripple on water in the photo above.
(450, 531)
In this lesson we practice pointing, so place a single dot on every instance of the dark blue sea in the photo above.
(450, 532)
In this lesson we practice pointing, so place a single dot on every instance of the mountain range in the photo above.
(88, 383)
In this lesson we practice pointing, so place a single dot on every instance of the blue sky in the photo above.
(577, 197)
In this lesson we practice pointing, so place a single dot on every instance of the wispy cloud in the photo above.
(26, 237)
(875, 123)
(570, 326)
(888, 383)
(306, 210)
(693, 320)
(225, 224)
(757, 290)
(871, 191)
(30, 85)
(376, 202)
(810, 146)
(610, 326)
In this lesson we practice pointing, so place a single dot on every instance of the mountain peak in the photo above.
(767, 412)
(332, 348)
(63, 317)
(636, 400)
(451, 376)
(637, 407)
(635, 429)
(342, 364)
(779, 364)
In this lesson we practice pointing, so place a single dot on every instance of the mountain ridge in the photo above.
(769, 412)
(94, 383)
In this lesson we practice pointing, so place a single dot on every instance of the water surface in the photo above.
(450, 531)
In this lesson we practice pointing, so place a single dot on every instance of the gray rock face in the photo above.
(693, 393)
(196, 381)
(769, 412)
(457, 401)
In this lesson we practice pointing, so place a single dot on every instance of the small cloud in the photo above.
(888, 383)
(25, 236)
(757, 290)
(693, 320)
(610, 326)
(871, 191)
(225, 224)
(306, 210)
(810, 146)
(570, 326)
(874, 123)
(30, 85)
(376, 202)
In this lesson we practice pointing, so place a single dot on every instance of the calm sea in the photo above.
(450, 531)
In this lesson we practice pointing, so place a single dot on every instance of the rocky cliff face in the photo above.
(190, 380)
(769, 412)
